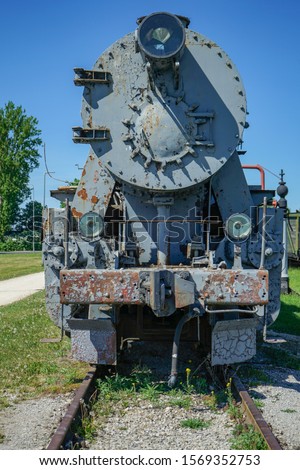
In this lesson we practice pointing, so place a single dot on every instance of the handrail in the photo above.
(261, 170)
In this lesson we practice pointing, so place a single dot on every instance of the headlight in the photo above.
(238, 227)
(161, 36)
(91, 225)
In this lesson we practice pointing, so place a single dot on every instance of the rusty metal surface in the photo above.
(255, 416)
(234, 287)
(94, 190)
(238, 287)
(100, 286)
(61, 432)
(94, 341)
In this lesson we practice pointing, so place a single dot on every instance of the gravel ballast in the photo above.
(145, 424)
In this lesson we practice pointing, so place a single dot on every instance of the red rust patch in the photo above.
(99, 286)
(75, 213)
(96, 176)
(82, 194)
(236, 287)
(94, 199)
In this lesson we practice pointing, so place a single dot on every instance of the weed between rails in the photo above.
(194, 423)
(245, 437)
(117, 393)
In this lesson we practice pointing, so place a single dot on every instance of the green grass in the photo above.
(288, 320)
(19, 264)
(245, 437)
(194, 423)
(253, 376)
(294, 275)
(117, 392)
(258, 403)
(281, 358)
(180, 400)
(30, 368)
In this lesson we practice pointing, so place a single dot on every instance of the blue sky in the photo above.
(41, 41)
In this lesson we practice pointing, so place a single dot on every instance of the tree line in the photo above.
(20, 139)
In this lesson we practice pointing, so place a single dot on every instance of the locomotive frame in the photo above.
(163, 238)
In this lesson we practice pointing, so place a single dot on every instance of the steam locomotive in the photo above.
(163, 239)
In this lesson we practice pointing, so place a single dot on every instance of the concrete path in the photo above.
(18, 288)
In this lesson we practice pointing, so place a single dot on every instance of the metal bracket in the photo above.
(83, 136)
(184, 292)
(161, 298)
(89, 77)
(201, 138)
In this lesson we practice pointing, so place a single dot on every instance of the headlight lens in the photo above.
(238, 227)
(161, 35)
(91, 225)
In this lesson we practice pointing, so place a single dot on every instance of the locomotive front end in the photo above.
(163, 238)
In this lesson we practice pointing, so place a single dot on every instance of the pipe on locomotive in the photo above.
(195, 312)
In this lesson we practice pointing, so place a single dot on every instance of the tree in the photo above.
(19, 155)
(24, 220)
(75, 182)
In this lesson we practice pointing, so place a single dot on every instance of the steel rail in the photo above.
(64, 426)
(255, 416)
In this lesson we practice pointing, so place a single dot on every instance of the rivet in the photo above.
(149, 99)
(134, 107)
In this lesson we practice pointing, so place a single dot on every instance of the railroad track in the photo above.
(58, 439)
(253, 415)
